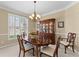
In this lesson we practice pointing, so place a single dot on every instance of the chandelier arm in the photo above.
(35, 16)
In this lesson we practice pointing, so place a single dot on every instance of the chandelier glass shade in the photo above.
(35, 16)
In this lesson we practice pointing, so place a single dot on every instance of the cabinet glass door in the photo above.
(50, 27)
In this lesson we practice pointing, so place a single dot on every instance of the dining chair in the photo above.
(69, 41)
(24, 47)
(51, 50)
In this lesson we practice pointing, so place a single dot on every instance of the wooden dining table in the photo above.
(37, 44)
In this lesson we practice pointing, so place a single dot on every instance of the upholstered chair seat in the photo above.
(48, 50)
(64, 43)
(28, 46)
(51, 50)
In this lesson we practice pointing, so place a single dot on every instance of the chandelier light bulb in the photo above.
(33, 15)
(38, 16)
(30, 17)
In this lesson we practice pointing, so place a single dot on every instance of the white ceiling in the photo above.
(42, 7)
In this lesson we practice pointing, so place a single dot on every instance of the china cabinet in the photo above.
(46, 29)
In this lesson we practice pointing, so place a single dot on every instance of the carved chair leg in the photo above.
(23, 53)
(54, 54)
(40, 54)
(57, 53)
(19, 52)
(65, 48)
(59, 44)
(33, 51)
(73, 48)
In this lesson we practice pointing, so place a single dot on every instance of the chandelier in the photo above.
(35, 16)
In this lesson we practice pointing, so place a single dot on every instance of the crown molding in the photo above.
(14, 11)
(63, 9)
(71, 5)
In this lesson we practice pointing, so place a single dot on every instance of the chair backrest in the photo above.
(73, 37)
(23, 34)
(20, 41)
(69, 36)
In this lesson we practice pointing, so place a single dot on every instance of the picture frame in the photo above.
(61, 24)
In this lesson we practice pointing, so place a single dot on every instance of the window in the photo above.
(17, 25)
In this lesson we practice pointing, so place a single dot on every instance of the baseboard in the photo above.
(8, 45)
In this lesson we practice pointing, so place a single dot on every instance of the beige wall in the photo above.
(3, 24)
(72, 21)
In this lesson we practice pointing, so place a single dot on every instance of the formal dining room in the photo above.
(39, 28)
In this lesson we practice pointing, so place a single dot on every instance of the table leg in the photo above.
(36, 51)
